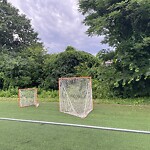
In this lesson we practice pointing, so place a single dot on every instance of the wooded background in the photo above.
(24, 62)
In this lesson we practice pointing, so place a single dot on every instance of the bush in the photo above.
(47, 93)
(11, 92)
(103, 82)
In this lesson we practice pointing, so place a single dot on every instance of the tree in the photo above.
(64, 65)
(118, 20)
(22, 70)
(21, 54)
(16, 32)
(125, 24)
(105, 55)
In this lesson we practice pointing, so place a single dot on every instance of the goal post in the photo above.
(27, 97)
(75, 96)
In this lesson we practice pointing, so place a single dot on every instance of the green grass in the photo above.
(127, 101)
(30, 136)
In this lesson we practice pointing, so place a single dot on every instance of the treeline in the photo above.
(25, 63)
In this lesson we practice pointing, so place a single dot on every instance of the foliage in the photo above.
(34, 56)
(125, 24)
(105, 55)
(102, 85)
(48, 94)
(102, 79)
(15, 29)
(64, 65)
(21, 57)
(133, 69)
(23, 69)
(11, 93)
(43, 95)
(118, 20)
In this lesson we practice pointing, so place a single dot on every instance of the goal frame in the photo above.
(35, 97)
(90, 85)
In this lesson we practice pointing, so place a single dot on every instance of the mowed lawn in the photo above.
(32, 136)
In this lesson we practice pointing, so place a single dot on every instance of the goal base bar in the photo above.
(77, 125)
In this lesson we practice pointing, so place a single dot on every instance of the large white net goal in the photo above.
(75, 96)
(27, 97)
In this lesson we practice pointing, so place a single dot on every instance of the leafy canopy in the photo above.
(21, 54)
(118, 20)
(126, 26)
(16, 32)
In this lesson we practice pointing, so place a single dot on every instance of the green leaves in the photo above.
(69, 63)
(126, 26)
(12, 23)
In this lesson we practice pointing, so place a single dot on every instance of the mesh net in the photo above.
(27, 97)
(75, 96)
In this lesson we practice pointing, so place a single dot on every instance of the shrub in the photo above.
(47, 93)
(11, 92)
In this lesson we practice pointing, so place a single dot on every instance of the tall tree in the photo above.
(21, 54)
(126, 26)
(16, 32)
(118, 20)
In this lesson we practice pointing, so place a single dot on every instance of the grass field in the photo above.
(31, 136)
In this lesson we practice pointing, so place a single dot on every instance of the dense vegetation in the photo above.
(25, 63)
(126, 26)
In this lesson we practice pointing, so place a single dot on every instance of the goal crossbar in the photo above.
(77, 125)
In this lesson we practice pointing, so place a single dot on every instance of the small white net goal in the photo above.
(27, 97)
(75, 96)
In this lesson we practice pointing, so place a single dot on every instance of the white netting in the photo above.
(27, 97)
(75, 95)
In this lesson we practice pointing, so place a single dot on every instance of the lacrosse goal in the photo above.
(27, 97)
(75, 96)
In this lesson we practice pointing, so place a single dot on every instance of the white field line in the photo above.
(77, 125)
